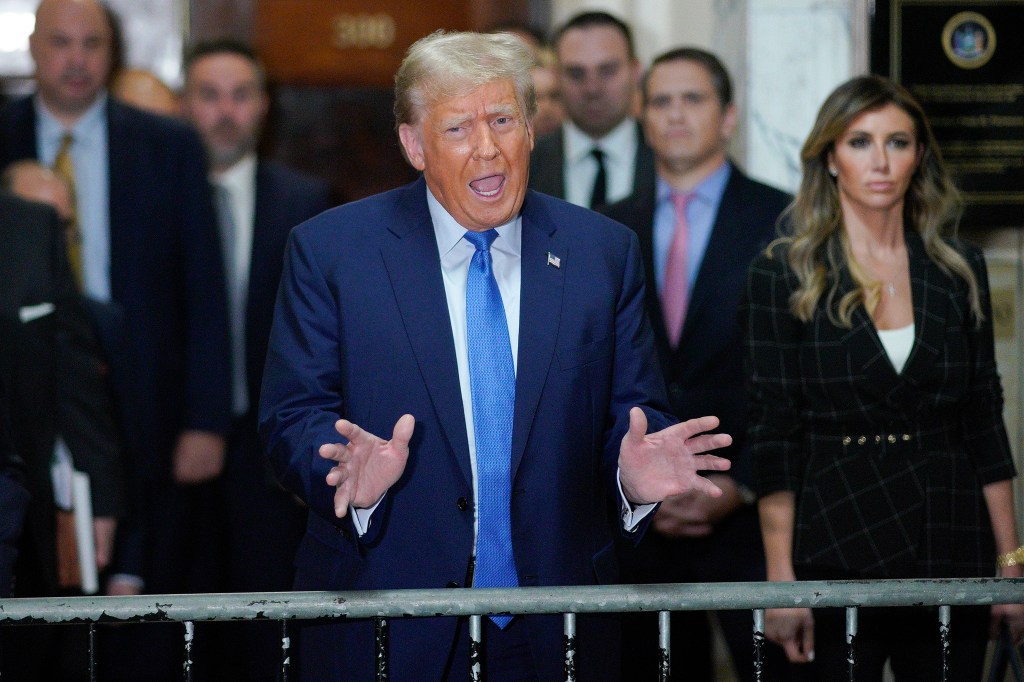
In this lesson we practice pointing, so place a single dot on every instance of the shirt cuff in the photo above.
(631, 516)
(361, 518)
(127, 579)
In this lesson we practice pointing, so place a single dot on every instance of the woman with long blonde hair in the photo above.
(877, 436)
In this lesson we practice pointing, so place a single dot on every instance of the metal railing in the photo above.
(475, 603)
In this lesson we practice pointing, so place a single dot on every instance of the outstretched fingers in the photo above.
(708, 441)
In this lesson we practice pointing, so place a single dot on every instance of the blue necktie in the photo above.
(492, 384)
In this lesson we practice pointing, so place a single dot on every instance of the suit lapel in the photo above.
(122, 168)
(643, 218)
(718, 254)
(866, 348)
(539, 316)
(930, 311)
(20, 133)
(414, 269)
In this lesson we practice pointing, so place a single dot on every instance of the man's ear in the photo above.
(729, 121)
(412, 145)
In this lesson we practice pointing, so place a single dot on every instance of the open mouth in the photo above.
(489, 186)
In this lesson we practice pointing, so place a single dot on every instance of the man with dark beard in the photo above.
(258, 203)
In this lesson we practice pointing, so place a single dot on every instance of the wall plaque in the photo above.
(964, 61)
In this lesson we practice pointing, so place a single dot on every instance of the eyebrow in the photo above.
(496, 110)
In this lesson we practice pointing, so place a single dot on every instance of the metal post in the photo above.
(286, 645)
(945, 616)
(851, 641)
(569, 620)
(758, 645)
(92, 652)
(664, 646)
(190, 632)
(382, 649)
(475, 653)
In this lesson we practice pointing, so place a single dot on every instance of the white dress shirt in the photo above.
(239, 183)
(580, 168)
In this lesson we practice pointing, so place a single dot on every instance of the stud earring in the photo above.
(833, 172)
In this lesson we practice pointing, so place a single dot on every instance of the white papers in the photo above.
(81, 497)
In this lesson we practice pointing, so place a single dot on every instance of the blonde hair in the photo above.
(443, 65)
(818, 248)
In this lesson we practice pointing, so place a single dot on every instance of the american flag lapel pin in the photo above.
(554, 260)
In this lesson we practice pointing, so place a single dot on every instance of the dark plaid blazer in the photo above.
(887, 468)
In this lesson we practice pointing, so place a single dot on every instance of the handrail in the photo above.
(523, 600)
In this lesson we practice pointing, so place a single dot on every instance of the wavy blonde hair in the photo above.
(818, 249)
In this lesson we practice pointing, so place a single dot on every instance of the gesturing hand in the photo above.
(368, 465)
(657, 465)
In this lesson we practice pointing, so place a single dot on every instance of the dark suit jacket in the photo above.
(906, 501)
(702, 374)
(284, 199)
(547, 173)
(56, 381)
(167, 281)
(362, 330)
(14, 498)
(265, 521)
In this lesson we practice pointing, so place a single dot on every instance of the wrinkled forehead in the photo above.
(440, 97)
(76, 17)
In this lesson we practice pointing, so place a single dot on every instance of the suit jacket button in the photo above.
(452, 584)
(463, 504)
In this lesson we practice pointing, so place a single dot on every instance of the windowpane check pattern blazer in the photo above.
(887, 468)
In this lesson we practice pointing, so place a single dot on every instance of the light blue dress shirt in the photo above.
(700, 218)
(90, 156)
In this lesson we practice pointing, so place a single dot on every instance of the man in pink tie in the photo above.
(699, 226)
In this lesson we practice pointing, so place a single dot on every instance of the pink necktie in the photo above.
(675, 288)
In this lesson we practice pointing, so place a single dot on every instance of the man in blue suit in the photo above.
(383, 306)
(258, 204)
(150, 255)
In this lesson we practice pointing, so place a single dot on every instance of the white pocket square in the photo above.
(34, 312)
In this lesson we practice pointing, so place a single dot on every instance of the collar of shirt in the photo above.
(700, 219)
(619, 145)
(449, 234)
(620, 148)
(50, 130)
(239, 178)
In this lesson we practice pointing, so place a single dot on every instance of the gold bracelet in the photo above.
(1014, 558)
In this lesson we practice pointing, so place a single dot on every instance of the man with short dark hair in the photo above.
(598, 156)
(699, 227)
(258, 204)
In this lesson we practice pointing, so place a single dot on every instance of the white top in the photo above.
(897, 344)
(239, 182)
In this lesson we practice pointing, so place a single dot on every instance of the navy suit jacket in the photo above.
(166, 334)
(362, 331)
